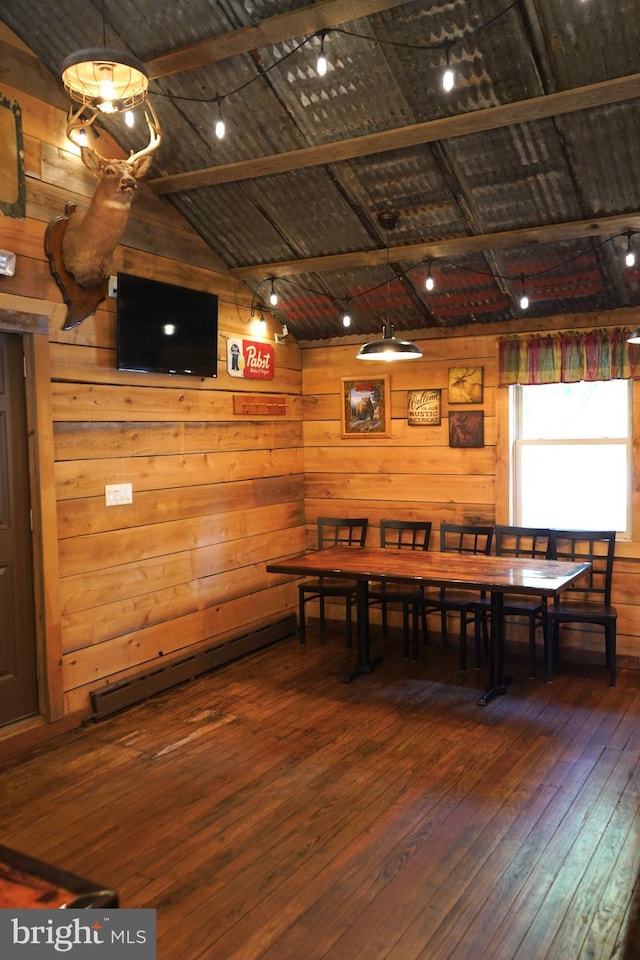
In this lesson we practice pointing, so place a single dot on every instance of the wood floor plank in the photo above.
(269, 811)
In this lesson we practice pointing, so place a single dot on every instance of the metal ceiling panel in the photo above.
(384, 74)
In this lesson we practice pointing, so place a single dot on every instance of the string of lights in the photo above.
(525, 281)
(322, 63)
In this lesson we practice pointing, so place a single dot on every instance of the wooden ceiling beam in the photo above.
(444, 128)
(278, 29)
(446, 249)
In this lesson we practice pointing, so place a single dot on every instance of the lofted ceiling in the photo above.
(524, 175)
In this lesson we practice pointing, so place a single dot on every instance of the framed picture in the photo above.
(366, 407)
(466, 384)
(466, 428)
(423, 408)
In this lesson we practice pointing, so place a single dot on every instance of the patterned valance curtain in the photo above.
(568, 357)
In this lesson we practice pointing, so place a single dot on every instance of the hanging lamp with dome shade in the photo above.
(388, 348)
(105, 79)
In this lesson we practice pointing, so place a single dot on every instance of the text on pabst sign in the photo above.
(258, 360)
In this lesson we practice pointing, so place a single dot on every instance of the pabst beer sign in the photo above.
(250, 359)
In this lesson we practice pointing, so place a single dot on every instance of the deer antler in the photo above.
(76, 121)
(155, 136)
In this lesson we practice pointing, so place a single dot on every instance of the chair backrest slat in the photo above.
(465, 538)
(530, 542)
(405, 534)
(342, 531)
(596, 547)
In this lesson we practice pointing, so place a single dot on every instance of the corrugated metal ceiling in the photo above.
(563, 168)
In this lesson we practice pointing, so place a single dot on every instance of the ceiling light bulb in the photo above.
(630, 258)
(524, 299)
(448, 80)
(321, 63)
(346, 319)
(220, 127)
(429, 282)
(273, 296)
(129, 119)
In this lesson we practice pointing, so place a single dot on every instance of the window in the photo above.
(572, 455)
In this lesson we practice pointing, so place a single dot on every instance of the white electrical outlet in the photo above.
(118, 493)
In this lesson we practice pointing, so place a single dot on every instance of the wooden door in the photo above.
(18, 676)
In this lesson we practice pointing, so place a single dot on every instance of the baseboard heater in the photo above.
(124, 693)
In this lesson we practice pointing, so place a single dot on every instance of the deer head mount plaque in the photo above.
(80, 245)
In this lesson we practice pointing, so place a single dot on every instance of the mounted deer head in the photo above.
(91, 237)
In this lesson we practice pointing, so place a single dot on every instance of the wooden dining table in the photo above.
(494, 575)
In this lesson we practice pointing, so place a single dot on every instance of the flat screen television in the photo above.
(165, 328)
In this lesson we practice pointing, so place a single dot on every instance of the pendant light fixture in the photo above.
(389, 348)
(104, 79)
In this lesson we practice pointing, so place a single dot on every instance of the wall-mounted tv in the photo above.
(165, 328)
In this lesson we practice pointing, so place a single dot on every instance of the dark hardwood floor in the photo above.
(269, 810)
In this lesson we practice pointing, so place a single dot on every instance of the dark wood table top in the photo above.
(496, 574)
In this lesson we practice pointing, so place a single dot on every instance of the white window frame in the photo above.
(517, 444)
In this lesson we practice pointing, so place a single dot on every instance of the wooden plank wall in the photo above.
(415, 474)
(218, 495)
(215, 495)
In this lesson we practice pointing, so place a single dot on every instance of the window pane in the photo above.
(560, 411)
(577, 486)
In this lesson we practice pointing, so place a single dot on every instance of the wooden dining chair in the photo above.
(401, 535)
(588, 601)
(333, 532)
(459, 538)
(510, 541)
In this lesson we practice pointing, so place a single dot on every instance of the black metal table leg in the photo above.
(497, 681)
(365, 663)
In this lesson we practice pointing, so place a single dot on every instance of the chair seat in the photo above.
(582, 610)
(396, 592)
(514, 605)
(451, 599)
(329, 587)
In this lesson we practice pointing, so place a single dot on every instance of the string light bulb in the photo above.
(273, 296)
(346, 316)
(321, 63)
(220, 125)
(630, 257)
(429, 282)
(524, 299)
(262, 325)
(448, 77)
(129, 119)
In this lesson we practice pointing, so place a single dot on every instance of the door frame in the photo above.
(31, 319)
